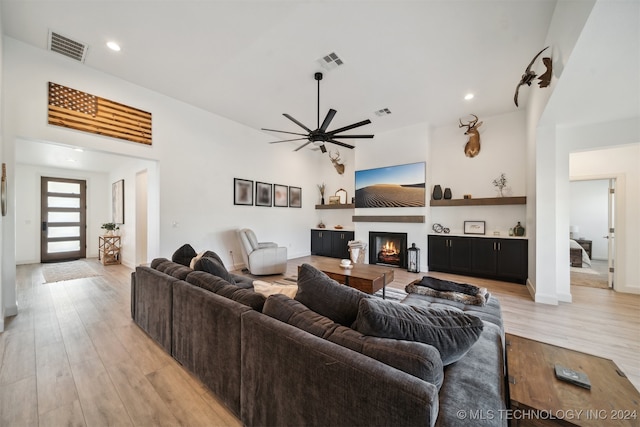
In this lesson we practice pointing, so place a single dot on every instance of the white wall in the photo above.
(198, 156)
(27, 208)
(589, 204)
(2, 160)
(503, 143)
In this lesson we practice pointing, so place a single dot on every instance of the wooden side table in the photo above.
(109, 249)
(538, 398)
(586, 244)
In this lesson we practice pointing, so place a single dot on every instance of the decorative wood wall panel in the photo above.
(78, 110)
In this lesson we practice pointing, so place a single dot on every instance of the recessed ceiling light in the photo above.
(468, 96)
(80, 150)
(113, 46)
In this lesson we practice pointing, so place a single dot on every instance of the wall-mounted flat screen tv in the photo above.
(391, 186)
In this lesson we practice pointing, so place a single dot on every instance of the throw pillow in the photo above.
(451, 331)
(213, 266)
(327, 297)
(208, 254)
(267, 289)
(219, 286)
(184, 254)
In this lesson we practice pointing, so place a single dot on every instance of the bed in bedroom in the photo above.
(578, 257)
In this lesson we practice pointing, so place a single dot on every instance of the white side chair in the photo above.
(262, 258)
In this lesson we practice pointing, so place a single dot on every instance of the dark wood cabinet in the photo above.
(331, 243)
(501, 259)
(449, 254)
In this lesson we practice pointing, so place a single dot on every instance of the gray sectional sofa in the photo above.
(279, 361)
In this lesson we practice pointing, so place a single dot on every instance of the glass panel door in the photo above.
(63, 207)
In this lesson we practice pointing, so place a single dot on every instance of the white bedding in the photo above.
(586, 261)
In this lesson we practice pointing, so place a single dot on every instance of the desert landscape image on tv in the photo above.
(391, 187)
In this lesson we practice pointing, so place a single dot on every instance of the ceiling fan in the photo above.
(320, 136)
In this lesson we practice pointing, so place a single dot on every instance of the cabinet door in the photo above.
(321, 242)
(460, 254)
(339, 243)
(512, 259)
(484, 256)
(438, 255)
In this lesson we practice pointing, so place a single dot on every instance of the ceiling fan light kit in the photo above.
(320, 135)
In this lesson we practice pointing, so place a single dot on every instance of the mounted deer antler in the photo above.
(336, 162)
(472, 148)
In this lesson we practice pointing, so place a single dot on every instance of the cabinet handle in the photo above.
(450, 243)
(499, 247)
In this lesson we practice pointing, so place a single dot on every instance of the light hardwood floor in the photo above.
(74, 357)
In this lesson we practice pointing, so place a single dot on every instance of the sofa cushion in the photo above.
(448, 329)
(173, 269)
(327, 297)
(184, 254)
(156, 262)
(208, 254)
(213, 266)
(221, 287)
(418, 359)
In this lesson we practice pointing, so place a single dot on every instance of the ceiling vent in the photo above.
(383, 112)
(67, 47)
(330, 61)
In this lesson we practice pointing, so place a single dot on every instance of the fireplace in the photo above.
(388, 249)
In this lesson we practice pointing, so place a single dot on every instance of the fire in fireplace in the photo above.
(388, 249)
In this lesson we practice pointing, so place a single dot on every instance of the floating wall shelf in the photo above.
(342, 206)
(388, 218)
(481, 202)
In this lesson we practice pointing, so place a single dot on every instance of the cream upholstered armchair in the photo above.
(262, 258)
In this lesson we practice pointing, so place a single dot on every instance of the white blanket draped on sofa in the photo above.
(586, 261)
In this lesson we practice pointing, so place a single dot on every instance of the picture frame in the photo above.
(295, 197)
(242, 192)
(334, 200)
(400, 185)
(117, 202)
(263, 194)
(280, 195)
(474, 227)
(342, 196)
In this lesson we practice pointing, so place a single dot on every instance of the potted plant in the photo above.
(110, 227)
(500, 183)
(321, 187)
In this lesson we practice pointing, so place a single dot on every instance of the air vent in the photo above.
(67, 47)
(383, 112)
(330, 61)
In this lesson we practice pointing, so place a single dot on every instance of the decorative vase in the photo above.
(518, 230)
(437, 192)
(355, 252)
(447, 193)
(322, 200)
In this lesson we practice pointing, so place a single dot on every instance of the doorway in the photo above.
(63, 219)
(592, 232)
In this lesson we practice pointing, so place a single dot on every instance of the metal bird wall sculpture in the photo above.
(528, 76)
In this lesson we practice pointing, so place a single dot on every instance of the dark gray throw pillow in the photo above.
(327, 297)
(213, 266)
(451, 331)
(184, 255)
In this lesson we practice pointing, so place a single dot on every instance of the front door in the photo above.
(63, 219)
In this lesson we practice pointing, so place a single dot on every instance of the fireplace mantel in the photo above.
(388, 218)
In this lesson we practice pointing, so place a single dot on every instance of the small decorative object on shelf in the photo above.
(437, 192)
(413, 259)
(321, 187)
(446, 230)
(467, 196)
(110, 227)
(437, 228)
(518, 230)
(447, 193)
(500, 183)
(321, 225)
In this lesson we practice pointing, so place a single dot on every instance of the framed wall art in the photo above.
(263, 194)
(474, 227)
(117, 202)
(295, 197)
(280, 195)
(242, 192)
(391, 186)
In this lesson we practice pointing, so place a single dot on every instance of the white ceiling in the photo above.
(252, 60)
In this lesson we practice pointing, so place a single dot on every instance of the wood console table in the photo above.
(538, 398)
(109, 249)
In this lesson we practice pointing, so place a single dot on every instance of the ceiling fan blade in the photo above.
(327, 120)
(353, 136)
(287, 140)
(297, 122)
(303, 145)
(353, 126)
(333, 141)
(284, 131)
